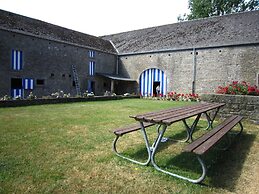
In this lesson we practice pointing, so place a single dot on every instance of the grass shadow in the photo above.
(228, 167)
(224, 167)
(180, 136)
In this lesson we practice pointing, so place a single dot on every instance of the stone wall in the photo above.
(214, 66)
(247, 106)
(17, 103)
(51, 61)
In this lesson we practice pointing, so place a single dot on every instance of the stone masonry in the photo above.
(247, 106)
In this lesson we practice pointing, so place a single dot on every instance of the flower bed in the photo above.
(173, 96)
(238, 88)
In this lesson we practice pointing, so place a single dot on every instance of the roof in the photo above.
(239, 28)
(22, 24)
(116, 77)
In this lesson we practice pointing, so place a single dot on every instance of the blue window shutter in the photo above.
(28, 84)
(17, 59)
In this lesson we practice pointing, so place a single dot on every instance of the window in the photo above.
(257, 79)
(40, 82)
(28, 84)
(16, 83)
(91, 54)
(91, 68)
(17, 59)
(17, 88)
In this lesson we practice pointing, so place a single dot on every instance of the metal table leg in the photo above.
(191, 129)
(153, 152)
(130, 159)
(211, 120)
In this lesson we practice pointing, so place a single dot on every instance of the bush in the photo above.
(238, 88)
(31, 96)
(5, 98)
(60, 94)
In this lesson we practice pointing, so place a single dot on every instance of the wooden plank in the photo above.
(184, 110)
(163, 115)
(205, 137)
(169, 121)
(131, 128)
(215, 138)
(142, 116)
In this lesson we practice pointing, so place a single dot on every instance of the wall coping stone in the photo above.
(40, 101)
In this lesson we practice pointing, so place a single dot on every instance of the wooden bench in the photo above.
(203, 144)
(128, 129)
(131, 128)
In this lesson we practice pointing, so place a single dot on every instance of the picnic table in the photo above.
(165, 118)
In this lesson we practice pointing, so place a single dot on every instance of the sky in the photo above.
(100, 17)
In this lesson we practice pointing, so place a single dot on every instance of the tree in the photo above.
(208, 8)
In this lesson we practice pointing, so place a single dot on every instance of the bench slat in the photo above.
(208, 144)
(131, 128)
(189, 148)
(161, 112)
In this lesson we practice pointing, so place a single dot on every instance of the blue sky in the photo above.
(100, 17)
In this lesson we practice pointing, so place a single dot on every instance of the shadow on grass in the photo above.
(224, 167)
(225, 172)
(140, 152)
(181, 136)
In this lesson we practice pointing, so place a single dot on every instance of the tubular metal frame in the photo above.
(211, 119)
(151, 150)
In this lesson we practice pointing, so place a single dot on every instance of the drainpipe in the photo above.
(194, 71)
(117, 65)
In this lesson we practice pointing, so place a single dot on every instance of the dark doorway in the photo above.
(16, 83)
(91, 86)
(154, 88)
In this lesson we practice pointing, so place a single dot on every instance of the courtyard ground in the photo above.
(66, 148)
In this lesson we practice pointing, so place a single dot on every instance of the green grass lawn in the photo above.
(67, 148)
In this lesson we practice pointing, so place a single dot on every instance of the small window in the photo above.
(40, 82)
(17, 60)
(257, 79)
(52, 75)
(73, 83)
(91, 54)
(69, 75)
(16, 83)
(63, 75)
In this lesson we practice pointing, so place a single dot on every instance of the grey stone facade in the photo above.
(51, 61)
(247, 106)
(193, 56)
(196, 56)
(48, 53)
(214, 67)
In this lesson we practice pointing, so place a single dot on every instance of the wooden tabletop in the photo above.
(172, 115)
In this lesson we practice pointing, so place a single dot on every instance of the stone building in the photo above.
(38, 56)
(192, 56)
